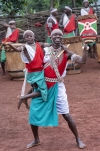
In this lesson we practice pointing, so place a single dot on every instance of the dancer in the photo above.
(46, 113)
(32, 55)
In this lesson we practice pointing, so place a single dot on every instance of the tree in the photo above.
(11, 7)
(38, 5)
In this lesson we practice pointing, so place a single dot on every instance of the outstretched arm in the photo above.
(61, 21)
(6, 25)
(20, 30)
(44, 44)
(76, 58)
(16, 49)
(83, 59)
(21, 48)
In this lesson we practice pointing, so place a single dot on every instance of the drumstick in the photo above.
(63, 51)
(24, 83)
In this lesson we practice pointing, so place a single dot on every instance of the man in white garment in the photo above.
(51, 23)
(87, 10)
(68, 23)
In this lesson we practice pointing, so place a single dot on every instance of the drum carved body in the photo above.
(15, 66)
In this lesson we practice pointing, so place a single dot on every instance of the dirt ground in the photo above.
(83, 94)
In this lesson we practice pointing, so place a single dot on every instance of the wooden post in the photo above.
(52, 4)
(74, 3)
(96, 5)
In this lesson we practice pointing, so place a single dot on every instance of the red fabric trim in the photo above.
(37, 63)
(91, 11)
(13, 37)
(71, 26)
(50, 73)
(55, 26)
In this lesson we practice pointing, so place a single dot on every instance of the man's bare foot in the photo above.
(33, 144)
(80, 144)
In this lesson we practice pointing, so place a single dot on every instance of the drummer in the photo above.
(51, 23)
(12, 33)
(87, 10)
(68, 23)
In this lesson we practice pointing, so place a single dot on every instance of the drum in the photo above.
(87, 25)
(15, 66)
(76, 47)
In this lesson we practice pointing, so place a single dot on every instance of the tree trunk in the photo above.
(52, 4)
(74, 3)
(96, 5)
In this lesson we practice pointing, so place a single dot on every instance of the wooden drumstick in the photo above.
(63, 51)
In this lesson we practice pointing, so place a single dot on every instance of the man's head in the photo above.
(29, 37)
(12, 24)
(86, 3)
(67, 10)
(54, 11)
(56, 36)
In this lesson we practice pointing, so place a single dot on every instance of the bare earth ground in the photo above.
(84, 100)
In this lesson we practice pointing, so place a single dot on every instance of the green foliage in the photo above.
(38, 5)
(11, 7)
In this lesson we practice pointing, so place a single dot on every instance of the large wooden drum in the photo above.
(87, 25)
(76, 47)
(15, 66)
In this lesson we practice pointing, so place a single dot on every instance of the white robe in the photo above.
(62, 101)
(30, 51)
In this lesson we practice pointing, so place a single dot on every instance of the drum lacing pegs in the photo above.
(84, 45)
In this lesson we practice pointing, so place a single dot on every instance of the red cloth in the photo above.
(55, 26)
(13, 37)
(37, 63)
(91, 11)
(50, 73)
(71, 26)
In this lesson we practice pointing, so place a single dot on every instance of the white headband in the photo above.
(54, 10)
(12, 21)
(25, 32)
(68, 8)
(56, 31)
(85, 1)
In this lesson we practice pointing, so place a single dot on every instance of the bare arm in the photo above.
(16, 49)
(50, 24)
(20, 30)
(83, 59)
(76, 24)
(44, 44)
(19, 49)
(31, 95)
(6, 25)
(76, 58)
(61, 21)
